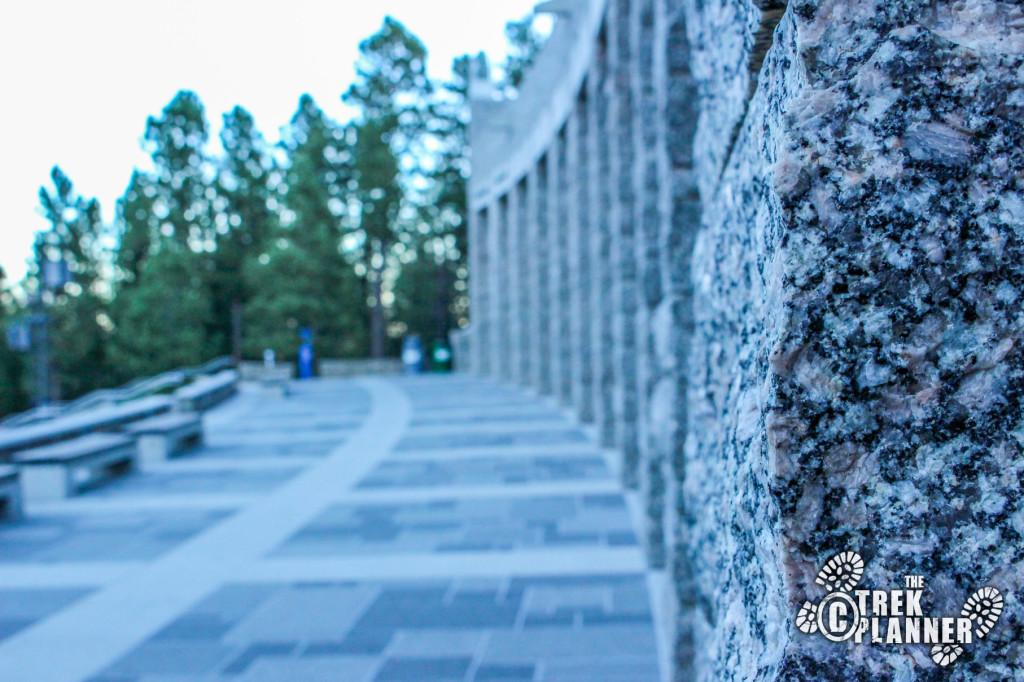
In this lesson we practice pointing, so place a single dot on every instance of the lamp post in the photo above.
(53, 275)
(41, 337)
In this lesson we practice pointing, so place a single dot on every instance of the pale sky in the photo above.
(79, 78)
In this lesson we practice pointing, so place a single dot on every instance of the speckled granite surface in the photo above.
(857, 379)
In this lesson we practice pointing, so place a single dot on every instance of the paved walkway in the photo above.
(415, 529)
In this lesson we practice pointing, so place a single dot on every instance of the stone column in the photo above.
(603, 218)
(672, 326)
(857, 374)
(562, 280)
(555, 284)
(625, 249)
(480, 287)
(525, 256)
(574, 293)
(618, 212)
(513, 245)
(536, 255)
(584, 250)
(499, 266)
(651, 180)
(470, 362)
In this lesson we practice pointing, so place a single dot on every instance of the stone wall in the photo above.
(772, 251)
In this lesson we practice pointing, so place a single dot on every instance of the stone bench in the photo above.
(64, 469)
(105, 418)
(10, 494)
(161, 438)
(274, 380)
(207, 392)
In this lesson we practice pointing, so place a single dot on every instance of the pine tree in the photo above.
(379, 196)
(137, 227)
(161, 321)
(392, 93)
(245, 218)
(524, 42)
(430, 292)
(317, 179)
(77, 339)
(298, 289)
(163, 317)
(423, 293)
(302, 279)
(177, 142)
(75, 233)
(13, 397)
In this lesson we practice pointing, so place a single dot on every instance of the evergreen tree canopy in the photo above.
(391, 81)
(524, 41)
(379, 193)
(446, 210)
(423, 293)
(392, 92)
(317, 179)
(137, 226)
(161, 322)
(77, 339)
(13, 397)
(297, 289)
(246, 180)
(79, 345)
(177, 142)
(302, 278)
(245, 218)
(76, 230)
(356, 231)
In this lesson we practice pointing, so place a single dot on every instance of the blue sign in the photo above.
(19, 337)
(55, 273)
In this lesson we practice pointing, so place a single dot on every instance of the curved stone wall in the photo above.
(584, 210)
(771, 251)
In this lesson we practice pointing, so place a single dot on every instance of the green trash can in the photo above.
(441, 356)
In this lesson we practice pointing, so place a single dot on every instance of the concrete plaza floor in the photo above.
(435, 528)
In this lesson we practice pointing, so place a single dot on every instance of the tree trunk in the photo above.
(236, 330)
(441, 303)
(377, 312)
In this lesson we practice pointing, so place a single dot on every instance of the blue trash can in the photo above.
(306, 358)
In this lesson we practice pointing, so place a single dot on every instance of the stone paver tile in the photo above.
(636, 670)
(505, 673)
(312, 669)
(193, 482)
(473, 440)
(424, 669)
(21, 608)
(107, 536)
(304, 614)
(436, 643)
(258, 651)
(561, 642)
(172, 657)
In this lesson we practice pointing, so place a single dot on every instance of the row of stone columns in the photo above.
(576, 287)
(584, 293)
